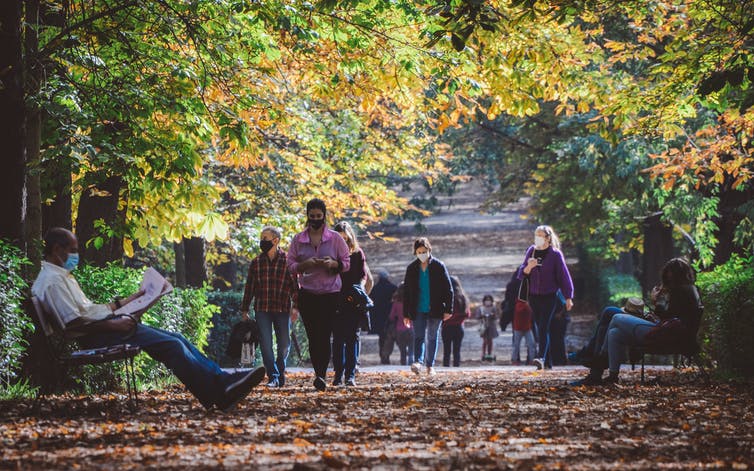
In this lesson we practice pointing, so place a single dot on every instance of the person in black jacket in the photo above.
(428, 300)
(345, 345)
(382, 295)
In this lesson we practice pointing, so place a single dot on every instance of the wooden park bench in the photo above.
(58, 339)
(690, 353)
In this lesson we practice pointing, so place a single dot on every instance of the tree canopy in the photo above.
(212, 118)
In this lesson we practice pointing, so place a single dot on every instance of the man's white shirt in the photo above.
(60, 293)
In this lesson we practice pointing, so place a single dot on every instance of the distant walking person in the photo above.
(382, 296)
(346, 327)
(488, 315)
(452, 329)
(398, 331)
(522, 326)
(545, 268)
(428, 300)
(317, 256)
(275, 294)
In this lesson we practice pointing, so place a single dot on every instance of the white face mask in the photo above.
(423, 257)
(539, 242)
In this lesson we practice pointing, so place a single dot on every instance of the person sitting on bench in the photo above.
(60, 293)
(678, 307)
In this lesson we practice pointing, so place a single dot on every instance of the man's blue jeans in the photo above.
(281, 322)
(429, 327)
(202, 376)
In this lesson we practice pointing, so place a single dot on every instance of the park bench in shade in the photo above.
(57, 338)
(690, 353)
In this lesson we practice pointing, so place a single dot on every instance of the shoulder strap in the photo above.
(522, 290)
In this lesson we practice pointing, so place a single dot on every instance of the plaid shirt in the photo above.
(270, 284)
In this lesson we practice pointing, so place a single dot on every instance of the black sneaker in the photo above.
(239, 389)
(320, 384)
(588, 380)
(337, 381)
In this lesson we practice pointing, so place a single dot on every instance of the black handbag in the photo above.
(242, 332)
(357, 302)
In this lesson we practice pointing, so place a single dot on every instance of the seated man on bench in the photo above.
(60, 293)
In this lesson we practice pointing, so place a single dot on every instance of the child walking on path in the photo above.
(488, 314)
(522, 327)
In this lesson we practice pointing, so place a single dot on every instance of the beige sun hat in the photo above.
(634, 306)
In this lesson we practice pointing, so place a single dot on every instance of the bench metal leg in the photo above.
(697, 359)
(642, 368)
(133, 393)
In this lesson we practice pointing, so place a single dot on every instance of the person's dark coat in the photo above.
(382, 295)
(440, 289)
(509, 302)
(242, 332)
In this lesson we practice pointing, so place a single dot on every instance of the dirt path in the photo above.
(482, 250)
(502, 418)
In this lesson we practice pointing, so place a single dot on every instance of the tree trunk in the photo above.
(100, 203)
(225, 274)
(658, 249)
(180, 264)
(12, 124)
(57, 189)
(196, 266)
(33, 226)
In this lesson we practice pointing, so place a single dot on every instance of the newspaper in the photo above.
(154, 286)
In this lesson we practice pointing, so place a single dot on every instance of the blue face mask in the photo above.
(71, 262)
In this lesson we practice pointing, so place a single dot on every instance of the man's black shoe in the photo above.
(320, 384)
(239, 389)
(589, 380)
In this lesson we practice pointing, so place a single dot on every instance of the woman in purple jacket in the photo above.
(317, 256)
(545, 267)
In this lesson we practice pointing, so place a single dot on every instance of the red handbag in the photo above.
(522, 313)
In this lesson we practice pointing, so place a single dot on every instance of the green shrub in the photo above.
(15, 323)
(615, 288)
(228, 303)
(728, 325)
(185, 311)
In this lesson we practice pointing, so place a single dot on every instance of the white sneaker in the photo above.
(431, 371)
(416, 368)
(539, 363)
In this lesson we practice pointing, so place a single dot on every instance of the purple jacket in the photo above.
(551, 276)
(318, 280)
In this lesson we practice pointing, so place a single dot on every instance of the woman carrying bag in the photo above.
(545, 268)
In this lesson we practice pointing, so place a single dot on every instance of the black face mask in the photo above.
(265, 245)
(316, 223)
